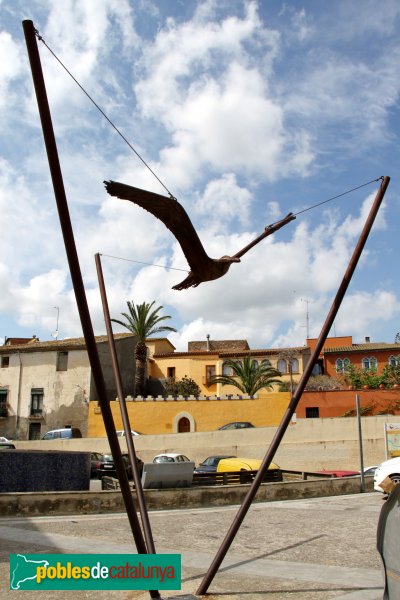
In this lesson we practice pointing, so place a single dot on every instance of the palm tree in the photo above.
(248, 376)
(143, 322)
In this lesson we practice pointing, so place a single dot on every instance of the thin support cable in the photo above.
(40, 38)
(339, 195)
(144, 263)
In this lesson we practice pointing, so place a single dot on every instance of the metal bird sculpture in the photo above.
(175, 218)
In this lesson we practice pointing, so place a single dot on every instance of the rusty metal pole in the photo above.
(124, 412)
(280, 432)
(77, 281)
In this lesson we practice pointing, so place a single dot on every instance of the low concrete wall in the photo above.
(65, 503)
(310, 444)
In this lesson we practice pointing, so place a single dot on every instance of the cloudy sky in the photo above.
(246, 111)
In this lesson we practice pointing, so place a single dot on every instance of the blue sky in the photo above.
(245, 111)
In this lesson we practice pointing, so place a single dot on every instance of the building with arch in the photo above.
(205, 359)
(367, 355)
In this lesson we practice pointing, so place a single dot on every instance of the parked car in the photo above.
(338, 472)
(389, 468)
(7, 446)
(236, 425)
(103, 464)
(370, 470)
(121, 433)
(209, 465)
(66, 433)
(170, 457)
(4, 439)
(241, 464)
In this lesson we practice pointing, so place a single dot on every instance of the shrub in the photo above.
(184, 387)
(359, 378)
(364, 411)
(323, 383)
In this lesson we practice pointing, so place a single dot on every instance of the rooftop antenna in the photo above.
(55, 334)
(307, 301)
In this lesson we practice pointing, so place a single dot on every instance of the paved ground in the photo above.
(299, 550)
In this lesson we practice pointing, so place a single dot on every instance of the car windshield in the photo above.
(163, 459)
(209, 462)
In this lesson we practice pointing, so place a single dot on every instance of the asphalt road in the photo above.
(313, 549)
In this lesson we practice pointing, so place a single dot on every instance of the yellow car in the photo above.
(241, 464)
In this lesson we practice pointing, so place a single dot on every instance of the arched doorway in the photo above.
(184, 425)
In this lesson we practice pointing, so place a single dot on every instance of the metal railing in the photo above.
(237, 477)
(234, 477)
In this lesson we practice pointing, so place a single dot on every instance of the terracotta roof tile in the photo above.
(20, 341)
(54, 345)
(218, 345)
(233, 353)
(370, 346)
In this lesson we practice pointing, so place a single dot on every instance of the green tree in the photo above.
(391, 375)
(143, 321)
(184, 387)
(248, 375)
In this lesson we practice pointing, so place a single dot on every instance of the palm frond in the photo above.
(248, 376)
(144, 322)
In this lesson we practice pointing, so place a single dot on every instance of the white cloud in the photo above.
(361, 312)
(273, 209)
(204, 85)
(200, 328)
(301, 24)
(11, 68)
(225, 201)
(356, 24)
(343, 90)
(30, 233)
(82, 35)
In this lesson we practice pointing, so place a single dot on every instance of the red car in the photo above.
(335, 473)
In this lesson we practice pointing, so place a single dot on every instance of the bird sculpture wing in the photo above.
(172, 214)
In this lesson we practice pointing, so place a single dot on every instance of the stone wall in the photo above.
(310, 444)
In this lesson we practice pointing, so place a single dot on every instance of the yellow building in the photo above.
(205, 359)
(217, 405)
